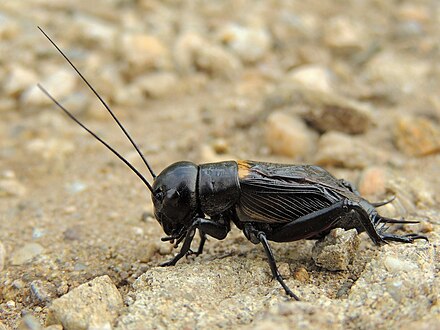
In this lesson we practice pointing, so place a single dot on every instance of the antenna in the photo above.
(60, 106)
(96, 137)
(101, 100)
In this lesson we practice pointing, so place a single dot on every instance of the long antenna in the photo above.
(96, 137)
(101, 100)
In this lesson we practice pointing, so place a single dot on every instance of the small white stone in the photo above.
(397, 71)
(26, 253)
(192, 52)
(10, 304)
(96, 30)
(59, 84)
(11, 187)
(18, 80)
(396, 265)
(50, 148)
(312, 77)
(157, 85)
(76, 187)
(347, 35)
(249, 43)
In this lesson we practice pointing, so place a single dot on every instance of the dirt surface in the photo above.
(352, 87)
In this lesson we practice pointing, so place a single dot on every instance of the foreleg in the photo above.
(206, 227)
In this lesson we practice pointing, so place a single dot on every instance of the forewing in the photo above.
(282, 196)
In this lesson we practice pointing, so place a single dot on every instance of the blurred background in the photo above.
(348, 85)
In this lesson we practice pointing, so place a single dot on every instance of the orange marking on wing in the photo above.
(243, 169)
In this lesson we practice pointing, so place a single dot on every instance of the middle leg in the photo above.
(257, 236)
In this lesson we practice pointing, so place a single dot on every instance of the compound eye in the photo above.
(159, 195)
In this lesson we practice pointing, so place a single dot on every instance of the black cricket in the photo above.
(268, 202)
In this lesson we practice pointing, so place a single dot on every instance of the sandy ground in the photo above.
(353, 88)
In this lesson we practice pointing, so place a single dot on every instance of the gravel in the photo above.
(26, 253)
(337, 250)
(349, 86)
(417, 136)
(342, 150)
(94, 304)
(289, 136)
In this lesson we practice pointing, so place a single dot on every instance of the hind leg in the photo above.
(410, 238)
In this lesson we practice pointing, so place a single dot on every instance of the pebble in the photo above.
(298, 315)
(26, 253)
(312, 76)
(331, 112)
(345, 35)
(144, 52)
(62, 289)
(2, 256)
(9, 27)
(192, 52)
(54, 327)
(145, 251)
(18, 284)
(337, 250)
(301, 274)
(342, 150)
(284, 269)
(59, 84)
(19, 78)
(79, 267)
(11, 188)
(345, 288)
(414, 12)
(157, 85)
(7, 104)
(220, 146)
(208, 154)
(29, 322)
(417, 136)
(424, 227)
(10, 304)
(401, 282)
(201, 286)
(289, 136)
(42, 292)
(73, 233)
(51, 148)
(166, 249)
(251, 44)
(373, 181)
(396, 72)
(76, 187)
(324, 110)
(94, 30)
(397, 265)
(94, 303)
(130, 95)
(38, 232)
